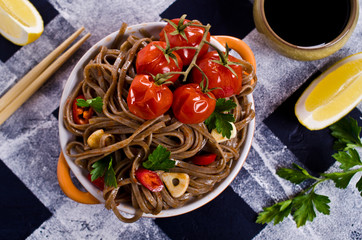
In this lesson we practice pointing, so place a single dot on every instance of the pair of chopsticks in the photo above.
(35, 78)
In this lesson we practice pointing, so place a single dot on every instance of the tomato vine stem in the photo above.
(193, 62)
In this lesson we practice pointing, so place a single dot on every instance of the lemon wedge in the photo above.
(331, 95)
(20, 22)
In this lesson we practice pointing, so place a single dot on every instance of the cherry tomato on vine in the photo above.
(191, 104)
(219, 74)
(148, 99)
(156, 58)
(181, 34)
(81, 115)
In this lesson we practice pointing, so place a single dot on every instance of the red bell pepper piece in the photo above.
(204, 159)
(149, 179)
(81, 115)
(99, 182)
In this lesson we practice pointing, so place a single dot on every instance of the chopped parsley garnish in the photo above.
(220, 119)
(104, 167)
(95, 103)
(159, 159)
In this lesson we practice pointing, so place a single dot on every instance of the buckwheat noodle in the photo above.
(130, 139)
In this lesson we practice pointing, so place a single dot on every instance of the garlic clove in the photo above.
(218, 136)
(176, 183)
(94, 139)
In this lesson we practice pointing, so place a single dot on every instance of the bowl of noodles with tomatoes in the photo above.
(156, 122)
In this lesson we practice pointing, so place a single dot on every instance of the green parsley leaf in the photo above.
(296, 175)
(159, 159)
(348, 159)
(339, 145)
(340, 179)
(347, 133)
(95, 103)
(220, 120)
(304, 207)
(110, 176)
(301, 207)
(321, 203)
(277, 212)
(224, 106)
(104, 167)
(99, 168)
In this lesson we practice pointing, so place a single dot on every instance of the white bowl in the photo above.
(81, 174)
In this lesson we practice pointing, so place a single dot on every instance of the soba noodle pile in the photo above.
(130, 139)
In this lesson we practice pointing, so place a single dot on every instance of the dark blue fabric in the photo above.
(227, 17)
(226, 217)
(46, 10)
(56, 113)
(21, 212)
(313, 148)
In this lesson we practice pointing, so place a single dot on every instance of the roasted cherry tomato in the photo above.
(81, 115)
(180, 34)
(146, 99)
(191, 104)
(99, 182)
(203, 159)
(152, 60)
(149, 179)
(219, 75)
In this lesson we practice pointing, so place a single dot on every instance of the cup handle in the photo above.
(66, 184)
(239, 46)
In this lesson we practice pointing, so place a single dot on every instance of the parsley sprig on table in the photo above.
(347, 132)
(302, 206)
(104, 167)
(95, 103)
(220, 119)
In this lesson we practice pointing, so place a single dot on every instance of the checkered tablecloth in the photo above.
(32, 204)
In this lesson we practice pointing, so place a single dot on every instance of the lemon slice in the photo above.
(20, 22)
(331, 95)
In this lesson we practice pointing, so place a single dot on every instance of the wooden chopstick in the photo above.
(34, 85)
(36, 71)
